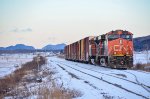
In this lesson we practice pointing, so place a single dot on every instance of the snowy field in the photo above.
(93, 82)
(99, 83)
(10, 62)
(142, 57)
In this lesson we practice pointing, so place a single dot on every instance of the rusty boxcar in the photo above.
(82, 50)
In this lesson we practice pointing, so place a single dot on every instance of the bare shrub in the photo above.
(61, 56)
(140, 66)
(57, 93)
(147, 67)
(9, 82)
(16, 84)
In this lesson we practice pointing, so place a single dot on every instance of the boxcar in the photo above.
(82, 50)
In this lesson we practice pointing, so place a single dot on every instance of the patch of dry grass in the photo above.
(140, 66)
(10, 82)
(17, 85)
(61, 56)
(57, 93)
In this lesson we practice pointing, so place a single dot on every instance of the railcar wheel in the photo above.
(103, 62)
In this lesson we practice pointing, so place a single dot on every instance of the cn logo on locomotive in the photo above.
(122, 47)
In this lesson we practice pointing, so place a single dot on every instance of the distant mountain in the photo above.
(18, 47)
(2, 48)
(142, 43)
(54, 47)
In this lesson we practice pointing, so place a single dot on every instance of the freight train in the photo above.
(113, 49)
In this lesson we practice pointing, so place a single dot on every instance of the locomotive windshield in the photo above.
(113, 37)
(126, 36)
(116, 36)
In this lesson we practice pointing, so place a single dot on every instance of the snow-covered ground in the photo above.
(93, 82)
(96, 82)
(9, 62)
(142, 57)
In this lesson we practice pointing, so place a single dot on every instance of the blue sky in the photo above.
(42, 22)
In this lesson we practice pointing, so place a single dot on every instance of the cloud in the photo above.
(21, 38)
(51, 38)
(17, 30)
(27, 30)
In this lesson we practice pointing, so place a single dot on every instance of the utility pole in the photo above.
(146, 49)
(147, 54)
(39, 79)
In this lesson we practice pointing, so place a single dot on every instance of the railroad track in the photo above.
(101, 79)
(137, 82)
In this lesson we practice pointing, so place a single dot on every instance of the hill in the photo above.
(18, 47)
(54, 47)
(142, 43)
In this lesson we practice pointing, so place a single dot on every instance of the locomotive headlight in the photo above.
(127, 53)
(120, 41)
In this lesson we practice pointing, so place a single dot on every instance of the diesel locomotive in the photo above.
(113, 49)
